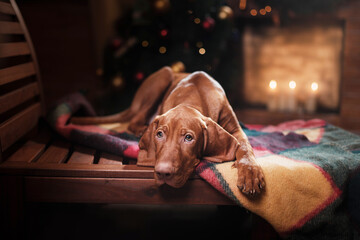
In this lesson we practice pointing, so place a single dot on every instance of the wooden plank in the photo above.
(107, 158)
(28, 152)
(14, 49)
(10, 28)
(76, 170)
(32, 50)
(31, 150)
(17, 72)
(6, 8)
(17, 126)
(14, 98)
(124, 191)
(82, 155)
(56, 153)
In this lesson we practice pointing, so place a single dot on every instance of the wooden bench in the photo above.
(36, 165)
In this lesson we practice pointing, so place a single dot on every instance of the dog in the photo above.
(184, 118)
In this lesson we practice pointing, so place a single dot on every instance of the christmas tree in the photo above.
(189, 35)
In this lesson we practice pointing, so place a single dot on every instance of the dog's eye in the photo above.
(188, 138)
(159, 134)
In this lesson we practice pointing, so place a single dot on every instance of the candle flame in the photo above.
(292, 84)
(314, 86)
(273, 84)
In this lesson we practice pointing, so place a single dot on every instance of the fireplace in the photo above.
(298, 60)
(293, 68)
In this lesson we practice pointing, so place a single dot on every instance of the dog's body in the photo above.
(193, 121)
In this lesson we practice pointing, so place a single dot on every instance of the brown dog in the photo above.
(190, 119)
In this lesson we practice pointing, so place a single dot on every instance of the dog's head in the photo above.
(176, 141)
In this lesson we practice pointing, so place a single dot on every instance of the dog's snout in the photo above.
(164, 171)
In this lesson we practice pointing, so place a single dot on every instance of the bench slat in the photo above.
(31, 150)
(28, 152)
(56, 153)
(82, 155)
(18, 96)
(6, 8)
(14, 49)
(107, 158)
(17, 126)
(10, 28)
(17, 72)
(76, 170)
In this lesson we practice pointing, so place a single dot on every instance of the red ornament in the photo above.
(139, 76)
(164, 32)
(208, 23)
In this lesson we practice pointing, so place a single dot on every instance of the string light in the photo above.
(262, 11)
(225, 12)
(202, 51)
(162, 49)
(253, 12)
(144, 43)
(268, 9)
(197, 20)
(178, 67)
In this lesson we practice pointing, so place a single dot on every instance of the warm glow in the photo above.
(222, 15)
(199, 44)
(242, 4)
(262, 11)
(197, 20)
(162, 50)
(159, 4)
(314, 86)
(99, 72)
(118, 81)
(253, 12)
(178, 67)
(268, 8)
(202, 51)
(144, 43)
(273, 84)
(292, 84)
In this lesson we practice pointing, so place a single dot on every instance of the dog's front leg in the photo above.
(251, 178)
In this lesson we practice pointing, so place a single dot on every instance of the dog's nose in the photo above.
(164, 171)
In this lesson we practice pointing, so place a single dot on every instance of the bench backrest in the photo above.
(21, 98)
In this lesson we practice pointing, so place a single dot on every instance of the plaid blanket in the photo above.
(307, 167)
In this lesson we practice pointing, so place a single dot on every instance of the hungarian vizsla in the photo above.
(184, 118)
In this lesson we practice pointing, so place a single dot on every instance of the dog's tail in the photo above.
(121, 117)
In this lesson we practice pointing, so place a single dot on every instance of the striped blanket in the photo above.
(307, 167)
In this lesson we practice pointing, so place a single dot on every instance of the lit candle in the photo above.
(312, 99)
(272, 100)
(291, 102)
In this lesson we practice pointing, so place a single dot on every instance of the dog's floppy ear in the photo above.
(219, 145)
(146, 155)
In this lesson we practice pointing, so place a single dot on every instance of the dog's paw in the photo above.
(251, 179)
